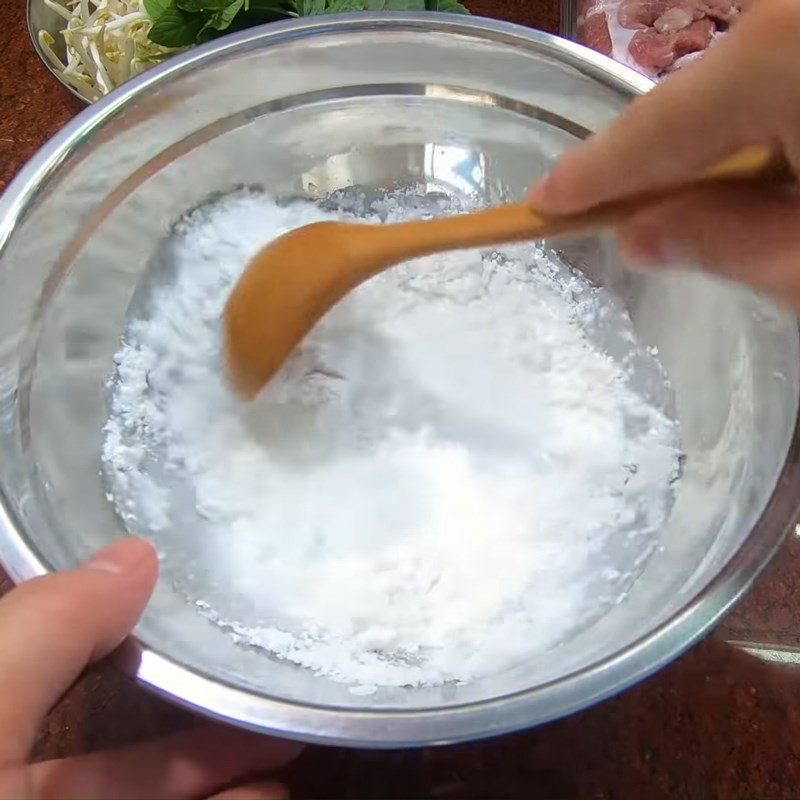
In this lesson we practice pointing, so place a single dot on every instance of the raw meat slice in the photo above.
(652, 51)
(655, 52)
(723, 10)
(642, 14)
(673, 20)
(695, 38)
(594, 33)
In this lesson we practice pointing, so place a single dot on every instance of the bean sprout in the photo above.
(105, 42)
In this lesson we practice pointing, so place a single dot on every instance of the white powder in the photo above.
(447, 477)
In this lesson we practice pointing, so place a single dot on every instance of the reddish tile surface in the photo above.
(717, 723)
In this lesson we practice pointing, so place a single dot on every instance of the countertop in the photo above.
(722, 721)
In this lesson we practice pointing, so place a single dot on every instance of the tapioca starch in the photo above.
(430, 489)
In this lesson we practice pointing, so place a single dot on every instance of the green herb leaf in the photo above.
(282, 9)
(176, 28)
(447, 6)
(313, 8)
(261, 12)
(222, 19)
(155, 8)
(194, 6)
(396, 5)
(181, 23)
(308, 8)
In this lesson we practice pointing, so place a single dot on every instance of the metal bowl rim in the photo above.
(44, 59)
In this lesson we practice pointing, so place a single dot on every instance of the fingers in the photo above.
(264, 790)
(54, 626)
(192, 763)
(750, 234)
(738, 95)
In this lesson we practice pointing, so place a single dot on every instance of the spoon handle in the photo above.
(519, 221)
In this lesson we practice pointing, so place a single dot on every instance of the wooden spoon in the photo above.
(298, 277)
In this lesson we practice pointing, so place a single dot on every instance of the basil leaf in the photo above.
(308, 8)
(155, 8)
(280, 8)
(312, 8)
(396, 5)
(176, 28)
(206, 34)
(447, 6)
(194, 6)
(222, 20)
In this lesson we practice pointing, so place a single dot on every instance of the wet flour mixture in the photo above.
(432, 488)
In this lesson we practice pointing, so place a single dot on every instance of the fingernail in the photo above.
(122, 556)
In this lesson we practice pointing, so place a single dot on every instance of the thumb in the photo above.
(749, 234)
(54, 626)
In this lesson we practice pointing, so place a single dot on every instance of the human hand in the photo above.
(742, 92)
(52, 628)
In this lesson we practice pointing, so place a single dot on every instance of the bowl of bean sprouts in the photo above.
(93, 46)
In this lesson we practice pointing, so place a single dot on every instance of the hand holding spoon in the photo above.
(298, 277)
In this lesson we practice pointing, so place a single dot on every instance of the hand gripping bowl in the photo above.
(468, 107)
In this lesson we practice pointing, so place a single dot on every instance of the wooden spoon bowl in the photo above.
(298, 277)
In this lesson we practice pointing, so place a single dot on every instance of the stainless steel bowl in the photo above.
(568, 22)
(470, 107)
(42, 18)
